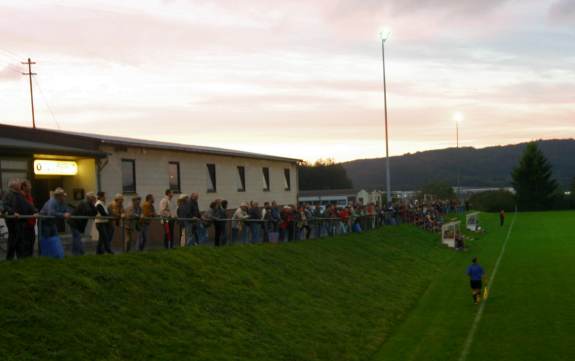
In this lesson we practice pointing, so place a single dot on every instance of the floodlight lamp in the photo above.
(384, 34)
(458, 117)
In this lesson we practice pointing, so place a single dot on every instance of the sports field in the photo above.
(530, 313)
(391, 294)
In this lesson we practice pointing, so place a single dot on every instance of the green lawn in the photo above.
(530, 314)
(332, 299)
(391, 294)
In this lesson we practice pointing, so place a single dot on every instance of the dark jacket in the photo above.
(15, 202)
(84, 208)
(193, 209)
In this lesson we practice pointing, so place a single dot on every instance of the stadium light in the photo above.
(384, 34)
(458, 118)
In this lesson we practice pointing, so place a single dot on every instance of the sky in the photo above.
(298, 78)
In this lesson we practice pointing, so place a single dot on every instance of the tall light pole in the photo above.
(384, 35)
(458, 118)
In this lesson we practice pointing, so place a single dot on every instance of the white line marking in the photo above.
(471, 336)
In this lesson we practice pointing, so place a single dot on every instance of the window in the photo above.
(241, 180)
(211, 178)
(287, 180)
(174, 175)
(128, 176)
(10, 169)
(266, 178)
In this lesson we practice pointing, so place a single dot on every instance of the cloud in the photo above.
(563, 12)
(10, 72)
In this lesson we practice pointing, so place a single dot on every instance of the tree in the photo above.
(533, 180)
(324, 174)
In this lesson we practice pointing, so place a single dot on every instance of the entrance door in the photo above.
(41, 188)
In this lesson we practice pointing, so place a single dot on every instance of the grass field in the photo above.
(391, 294)
(530, 314)
(331, 299)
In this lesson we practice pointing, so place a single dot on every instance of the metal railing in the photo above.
(126, 234)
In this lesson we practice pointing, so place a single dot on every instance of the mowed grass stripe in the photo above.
(438, 326)
(477, 319)
(532, 316)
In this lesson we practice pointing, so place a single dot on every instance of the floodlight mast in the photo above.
(458, 118)
(384, 35)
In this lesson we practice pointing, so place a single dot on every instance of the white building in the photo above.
(88, 162)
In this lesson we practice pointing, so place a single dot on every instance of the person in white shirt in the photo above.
(103, 225)
(167, 221)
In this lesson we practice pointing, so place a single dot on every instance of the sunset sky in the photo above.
(294, 78)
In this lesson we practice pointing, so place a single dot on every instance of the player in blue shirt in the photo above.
(476, 274)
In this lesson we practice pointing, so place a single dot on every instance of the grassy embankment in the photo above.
(331, 299)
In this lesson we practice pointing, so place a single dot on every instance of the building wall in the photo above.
(152, 176)
(85, 179)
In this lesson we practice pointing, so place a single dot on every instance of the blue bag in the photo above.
(51, 247)
(356, 228)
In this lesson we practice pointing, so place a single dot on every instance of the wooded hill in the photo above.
(484, 167)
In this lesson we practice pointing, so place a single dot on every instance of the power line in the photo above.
(46, 102)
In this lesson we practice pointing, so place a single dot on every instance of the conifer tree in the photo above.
(533, 180)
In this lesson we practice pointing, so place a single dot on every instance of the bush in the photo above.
(493, 201)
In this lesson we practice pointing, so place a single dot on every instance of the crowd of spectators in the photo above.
(182, 221)
(427, 215)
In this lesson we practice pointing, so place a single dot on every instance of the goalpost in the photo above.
(472, 221)
(449, 232)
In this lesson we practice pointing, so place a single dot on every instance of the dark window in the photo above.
(128, 175)
(211, 178)
(174, 174)
(287, 180)
(241, 182)
(266, 178)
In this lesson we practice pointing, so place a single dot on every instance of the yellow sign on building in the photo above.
(55, 167)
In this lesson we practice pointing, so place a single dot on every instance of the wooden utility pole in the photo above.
(29, 73)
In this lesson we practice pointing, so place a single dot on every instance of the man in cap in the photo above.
(55, 209)
(86, 208)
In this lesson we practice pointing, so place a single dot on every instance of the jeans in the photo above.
(77, 245)
(189, 228)
(105, 236)
(255, 232)
(143, 236)
(133, 236)
(240, 233)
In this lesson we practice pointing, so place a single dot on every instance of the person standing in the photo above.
(193, 212)
(476, 274)
(238, 226)
(55, 209)
(133, 223)
(15, 204)
(103, 225)
(29, 226)
(185, 225)
(86, 208)
(167, 221)
(501, 217)
(148, 211)
(219, 216)
(255, 218)
(116, 210)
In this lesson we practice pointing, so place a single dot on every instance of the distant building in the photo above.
(339, 197)
(81, 162)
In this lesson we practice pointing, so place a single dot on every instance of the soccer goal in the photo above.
(449, 232)
(472, 221)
